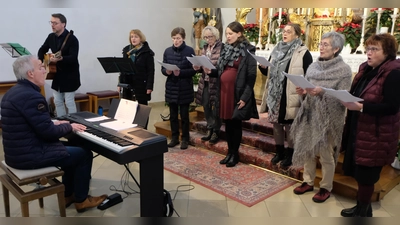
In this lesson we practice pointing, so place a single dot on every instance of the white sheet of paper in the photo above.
(193, 61)
(299, 81)
(168, 66)
(124, 116)
(118, 125)
(262, 60)
(203, 61)
(97, 118)
(342, 95)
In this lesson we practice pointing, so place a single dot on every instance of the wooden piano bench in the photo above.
(96, 96)
(13, 179)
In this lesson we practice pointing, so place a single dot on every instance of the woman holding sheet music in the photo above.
(317, 127)
(179, 91)
(290, 56)
(206, 94)
(372, 126)
(236, 71)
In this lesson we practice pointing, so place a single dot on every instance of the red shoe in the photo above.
(303, 188)
(321, 196)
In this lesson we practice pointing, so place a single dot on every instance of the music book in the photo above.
(299, 81)
(201, 61)
(124, 116)
(15, 49)
(342, 95)
(168, 66)
(262, 60)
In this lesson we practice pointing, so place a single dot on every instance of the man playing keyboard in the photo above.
(31, 138)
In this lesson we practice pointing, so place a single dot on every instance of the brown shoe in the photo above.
(90, 202)
(69, 200)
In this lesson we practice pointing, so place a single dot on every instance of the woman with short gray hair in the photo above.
(317, 128)
(207, 90)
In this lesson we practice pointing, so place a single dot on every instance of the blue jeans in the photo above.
(77, 169)
(60, 98)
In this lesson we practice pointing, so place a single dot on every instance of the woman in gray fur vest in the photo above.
(317, 128)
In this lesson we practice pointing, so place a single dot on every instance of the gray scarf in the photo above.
(280, 57)
(319, 122)
(231, 53)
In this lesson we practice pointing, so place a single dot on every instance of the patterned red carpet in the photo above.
(243, 183)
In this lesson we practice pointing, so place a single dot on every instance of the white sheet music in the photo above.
(97, 118)
(262, 60)
(201, 61)
(124, 116)
(299, 81)
(342, 95)
(168, 66)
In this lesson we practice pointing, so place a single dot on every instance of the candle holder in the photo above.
(361, 47)
(259, 45)
(268, 46)
(394, 17)
(379, 14)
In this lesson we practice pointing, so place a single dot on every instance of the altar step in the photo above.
(258, 148)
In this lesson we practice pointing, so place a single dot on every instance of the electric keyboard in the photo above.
(121, 146)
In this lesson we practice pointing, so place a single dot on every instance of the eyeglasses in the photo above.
(53, 23)
(207, 37)
(372, 49)
(323, 45)
(287, 31)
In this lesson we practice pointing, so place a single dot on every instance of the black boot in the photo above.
(226, 159)
(349, 212)
(208, 135)
(173, 142)
(288, 157)
(214, 138)
(233, 160)
(279, 155)
(362, 210)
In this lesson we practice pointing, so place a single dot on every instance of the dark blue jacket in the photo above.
(30, 138)
(179, 89)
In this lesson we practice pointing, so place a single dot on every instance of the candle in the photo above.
(298, 11)
(303, 11)
(335, 12)
(340, 12)
(290, 10)
(280, 14)
(261, 16)
(270, 12)
(309, 11)
(365, 12)
(395, 10)
(348, 10)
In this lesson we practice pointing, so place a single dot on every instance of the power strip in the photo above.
(110, 201)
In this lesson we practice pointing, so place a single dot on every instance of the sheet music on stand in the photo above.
(124, 116)
(14, 49)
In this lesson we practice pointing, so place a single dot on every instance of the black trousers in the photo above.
(233, 131)
(174, 111)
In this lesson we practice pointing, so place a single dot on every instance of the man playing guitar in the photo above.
(65, 48)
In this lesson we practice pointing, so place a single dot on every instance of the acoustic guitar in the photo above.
(50, 66)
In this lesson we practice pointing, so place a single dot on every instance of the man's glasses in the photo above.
(53, 23)
(372, 49)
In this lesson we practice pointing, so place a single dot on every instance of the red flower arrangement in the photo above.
(251, 30)
(352, 33)
(283, 17)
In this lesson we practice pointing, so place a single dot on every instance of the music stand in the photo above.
(118, 65)
(15, 50)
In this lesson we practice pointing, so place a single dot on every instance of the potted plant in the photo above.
(196, 79)
(352, 34)
(251, 30)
